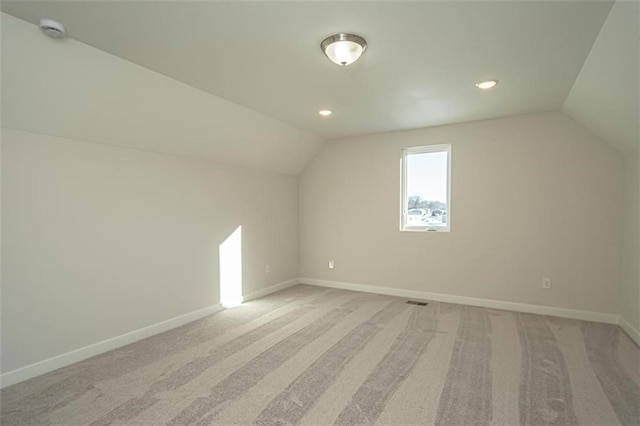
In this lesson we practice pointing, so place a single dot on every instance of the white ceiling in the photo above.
(606, 93)
(419, 70)
(68, 89)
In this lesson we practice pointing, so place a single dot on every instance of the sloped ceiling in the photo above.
(606, 93)
(419, 70)
(66, 88)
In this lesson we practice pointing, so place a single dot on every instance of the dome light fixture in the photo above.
(52, 28)
(486, 85)
(343, 49)
(325, 112)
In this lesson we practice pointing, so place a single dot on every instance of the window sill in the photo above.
(422, 229)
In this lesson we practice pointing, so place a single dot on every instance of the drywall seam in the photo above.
(472, 301)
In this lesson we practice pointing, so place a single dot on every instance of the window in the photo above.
(426, 195)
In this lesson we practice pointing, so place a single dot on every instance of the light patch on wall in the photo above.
(230, 254)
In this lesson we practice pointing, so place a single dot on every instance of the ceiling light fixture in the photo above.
(325, 112)
(485, 85)
(343, 49)
(52, 28)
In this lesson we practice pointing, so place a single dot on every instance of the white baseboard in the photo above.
(463, 300)
(36, 369)
(271, 289)
(50, 364)
(630, 330)
(59, 361)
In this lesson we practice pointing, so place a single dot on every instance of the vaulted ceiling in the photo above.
(606, 93)
(419, 70)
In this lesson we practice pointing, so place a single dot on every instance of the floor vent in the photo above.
(415, 302)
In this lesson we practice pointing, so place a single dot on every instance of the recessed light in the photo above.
(486, 84)
(325, 112)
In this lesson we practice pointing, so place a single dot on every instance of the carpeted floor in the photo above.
(318, 356)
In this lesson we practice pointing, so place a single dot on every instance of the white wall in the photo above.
(98, 241)
(533, 196)
(630, 300)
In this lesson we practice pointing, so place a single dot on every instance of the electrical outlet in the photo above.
(546, 283)
(267, 269)
(331, 264)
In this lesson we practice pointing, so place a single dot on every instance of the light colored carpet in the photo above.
(310, 355)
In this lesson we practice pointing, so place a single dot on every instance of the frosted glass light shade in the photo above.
(343, 49)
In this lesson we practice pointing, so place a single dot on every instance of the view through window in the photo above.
(426, 189)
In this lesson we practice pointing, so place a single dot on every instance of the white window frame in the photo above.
(403, 191)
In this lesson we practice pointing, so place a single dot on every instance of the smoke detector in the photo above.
(52, 28)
